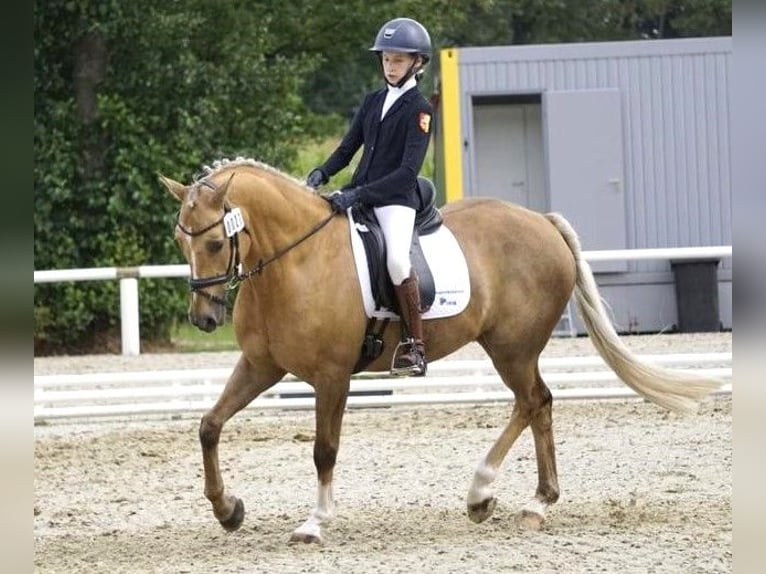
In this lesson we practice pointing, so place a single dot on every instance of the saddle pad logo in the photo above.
(424, 120)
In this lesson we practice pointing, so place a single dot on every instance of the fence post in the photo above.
(131, 337)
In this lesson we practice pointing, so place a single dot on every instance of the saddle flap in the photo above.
(366, 225)
(448, 267)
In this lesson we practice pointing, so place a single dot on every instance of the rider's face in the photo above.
(396, 65)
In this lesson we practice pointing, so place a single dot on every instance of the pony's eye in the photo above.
(214, 246)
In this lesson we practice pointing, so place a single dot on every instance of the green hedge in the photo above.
(124, 90)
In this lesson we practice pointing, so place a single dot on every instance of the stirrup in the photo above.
(416, 369)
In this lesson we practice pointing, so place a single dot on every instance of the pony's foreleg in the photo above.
(330, 405)
(244, 384)
(481, 496)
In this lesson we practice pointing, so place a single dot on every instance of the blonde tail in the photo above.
(674, 390)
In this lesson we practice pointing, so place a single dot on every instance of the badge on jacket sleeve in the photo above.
(424, 120)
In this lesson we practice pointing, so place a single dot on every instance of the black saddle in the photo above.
(427, 221)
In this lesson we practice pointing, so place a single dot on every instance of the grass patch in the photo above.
(188, 339)
(316, 153)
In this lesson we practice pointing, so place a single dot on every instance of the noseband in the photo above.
(233, 225)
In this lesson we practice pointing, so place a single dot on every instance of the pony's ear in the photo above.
(220, 192)
(178, 190)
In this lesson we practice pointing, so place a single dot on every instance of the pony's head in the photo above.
(207, 231)
(220, 222)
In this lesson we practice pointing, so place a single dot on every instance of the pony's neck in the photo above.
(279, 210)
(279, 198)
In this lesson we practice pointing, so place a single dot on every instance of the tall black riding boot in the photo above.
(411, 357)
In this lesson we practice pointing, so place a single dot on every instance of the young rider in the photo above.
(394, 126)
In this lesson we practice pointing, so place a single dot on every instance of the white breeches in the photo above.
(397, 223)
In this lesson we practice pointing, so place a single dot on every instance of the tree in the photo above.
(126, 89)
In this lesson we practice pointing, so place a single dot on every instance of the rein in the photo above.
(234, 274)
(258, 269)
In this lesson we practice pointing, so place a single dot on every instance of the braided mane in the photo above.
(220, 165)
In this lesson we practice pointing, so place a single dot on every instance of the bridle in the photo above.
(233, 226)
(232, 268)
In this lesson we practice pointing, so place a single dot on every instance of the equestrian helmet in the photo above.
(403, 35)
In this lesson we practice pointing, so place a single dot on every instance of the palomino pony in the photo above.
(299, 310)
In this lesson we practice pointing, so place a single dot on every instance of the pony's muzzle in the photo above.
(206, 311)
(204, 316)
(205, 322)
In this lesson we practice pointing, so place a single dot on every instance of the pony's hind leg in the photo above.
(244, 384)
(330, 406)
(532, 407)
(481, 496)
(541, 421)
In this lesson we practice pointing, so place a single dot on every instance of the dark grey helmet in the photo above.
(403, 35)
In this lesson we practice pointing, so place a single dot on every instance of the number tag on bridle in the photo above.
(233, 222)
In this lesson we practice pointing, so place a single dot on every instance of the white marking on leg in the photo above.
(322, 514)
(535, 506)
(481, 489)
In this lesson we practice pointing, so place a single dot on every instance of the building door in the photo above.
(508, 158)
(584, 157)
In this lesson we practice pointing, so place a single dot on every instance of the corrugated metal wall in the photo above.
(675, 116)
(675, 124)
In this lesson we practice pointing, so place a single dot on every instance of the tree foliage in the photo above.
(124, 90)
(128, 88)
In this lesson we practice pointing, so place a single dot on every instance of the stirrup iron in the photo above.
(416, 369)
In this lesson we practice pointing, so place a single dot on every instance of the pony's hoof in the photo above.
(480, 511)
(234, 521)
(305, 538)
(530, 520)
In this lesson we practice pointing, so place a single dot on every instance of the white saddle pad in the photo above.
(448, 266)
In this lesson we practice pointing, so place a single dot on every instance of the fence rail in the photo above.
(449, 382)
(128, 278)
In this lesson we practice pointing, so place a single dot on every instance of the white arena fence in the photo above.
(172, 392)
(128, 278)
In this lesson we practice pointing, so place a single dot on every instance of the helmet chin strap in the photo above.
(411, 72)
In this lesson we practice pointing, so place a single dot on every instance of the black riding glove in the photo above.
(342, 200)
(316, 178)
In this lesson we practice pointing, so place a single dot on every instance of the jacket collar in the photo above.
(408, 92)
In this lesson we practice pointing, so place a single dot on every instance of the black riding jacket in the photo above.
(394, 148)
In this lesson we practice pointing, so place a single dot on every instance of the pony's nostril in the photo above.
(208, 324)
(205, 323)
